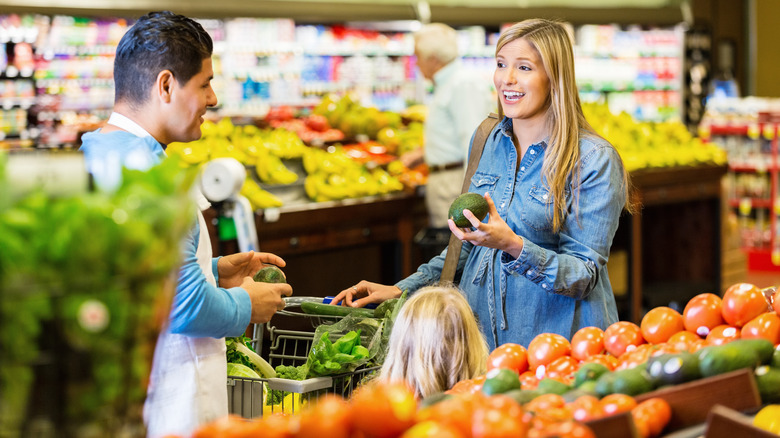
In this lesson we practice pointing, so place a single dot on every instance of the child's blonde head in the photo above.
(435, 342)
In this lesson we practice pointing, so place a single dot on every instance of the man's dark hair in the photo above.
(158, 41)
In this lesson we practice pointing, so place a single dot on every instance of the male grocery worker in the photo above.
(162, 75)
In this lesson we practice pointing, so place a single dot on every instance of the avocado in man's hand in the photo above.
(270, 274)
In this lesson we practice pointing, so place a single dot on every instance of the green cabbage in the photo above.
(238, 370)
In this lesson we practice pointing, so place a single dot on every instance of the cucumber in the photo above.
(331, 310)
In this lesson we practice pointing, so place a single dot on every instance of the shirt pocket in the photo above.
(483, 182)
(537, 209)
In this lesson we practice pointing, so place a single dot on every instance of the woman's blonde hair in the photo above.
(435, 342)
(565, 118)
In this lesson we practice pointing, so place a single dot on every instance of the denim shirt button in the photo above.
(522, 167)
(530, 272)
(544, 286)
(532, 151)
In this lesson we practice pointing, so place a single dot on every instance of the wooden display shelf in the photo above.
(692, 402)
(674, 239)
(723, 422)
(614, 426)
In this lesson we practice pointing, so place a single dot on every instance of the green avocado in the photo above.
(473, 202)
(500, 381)
(270, 274)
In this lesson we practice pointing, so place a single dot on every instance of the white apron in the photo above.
(188, 385)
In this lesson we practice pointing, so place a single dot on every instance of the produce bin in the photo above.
(246, 397)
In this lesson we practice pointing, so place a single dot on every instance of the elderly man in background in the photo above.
(461, 100)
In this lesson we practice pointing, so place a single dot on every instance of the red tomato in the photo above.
(651, 416)
(279, 425)
(469, 386)
(455, 411)
(660, 323)
(429, 429)
(386, 409)
(585, 408)
(607, 360)
(776, 302)
(545, 402)
(587, 342)
(683, 340)
(567, 429)
(545, 348)
(743, 302)
(764, 326)
(510, 356)
(635, 357)
(621, 335)
(703, 313)
(328, 416)
(562, 368)
(617, 403)
(722, 334)
(498, 416)
(528, 380)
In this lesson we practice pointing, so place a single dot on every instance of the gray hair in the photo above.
(437, 40)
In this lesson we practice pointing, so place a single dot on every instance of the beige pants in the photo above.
(442, 188)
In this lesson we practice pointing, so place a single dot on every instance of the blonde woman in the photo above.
(555, 191)
(435, 342)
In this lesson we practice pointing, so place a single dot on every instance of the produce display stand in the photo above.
(614, 426)
(728, 423)
(674, 239)
(693, 406)
(692, 402)
(291, 348)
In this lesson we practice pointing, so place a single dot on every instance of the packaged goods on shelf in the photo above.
(748, 130)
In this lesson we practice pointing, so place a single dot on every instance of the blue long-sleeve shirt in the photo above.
(199, 308)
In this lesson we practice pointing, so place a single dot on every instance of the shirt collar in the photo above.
(124, 122)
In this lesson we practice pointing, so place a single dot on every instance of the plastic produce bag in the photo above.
(344, 346)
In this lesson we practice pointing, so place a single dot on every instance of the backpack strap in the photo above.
(477, 146)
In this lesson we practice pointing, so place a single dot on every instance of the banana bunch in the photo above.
(648, 144)
(284, 144)
(258, 197)
(415, 113)
(334, 176)
(270, 169)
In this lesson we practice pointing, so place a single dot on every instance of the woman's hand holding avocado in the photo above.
(495, 233)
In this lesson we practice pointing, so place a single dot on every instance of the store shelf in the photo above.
(754, 203)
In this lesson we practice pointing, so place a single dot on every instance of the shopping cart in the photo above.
(247, 397)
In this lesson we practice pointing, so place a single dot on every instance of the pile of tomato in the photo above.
(391, 410)
(743, 313)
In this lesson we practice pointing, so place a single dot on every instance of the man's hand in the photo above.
(367, 292)
(267, 298)
(233, 268)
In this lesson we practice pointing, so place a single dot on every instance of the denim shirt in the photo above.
(559, 282)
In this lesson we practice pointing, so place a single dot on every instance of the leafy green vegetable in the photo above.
(276, 396)
(239, 350)
(239, 370)
(100, 266)
(327, 358)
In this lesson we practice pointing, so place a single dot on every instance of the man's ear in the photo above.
(164, 86)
